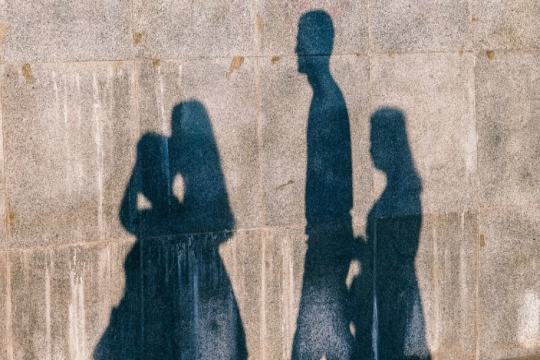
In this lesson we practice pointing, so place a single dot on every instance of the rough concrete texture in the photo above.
(506, 24)
(5, 307)
(414, 25)
(507, 123)
(509, 260)
(447, 265)
(60, 31)
(191, 29)
(200, 180)
(70, 130)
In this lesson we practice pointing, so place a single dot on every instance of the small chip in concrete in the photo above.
(275, 59)
(259, 24)
(137, 37)
(482, 241)
(237, 61)
(156, 63)
(27, 73)
(3, 33)
(490, 54)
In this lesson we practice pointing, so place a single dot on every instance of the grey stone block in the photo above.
(286, 97)
(224, 101)
(508, 109)
(243, 256)
(59, 31)
(68, 129)
(509, 290)
(62, 298)
(278, 25)
(506, 24)
(434, 92)
(446, 267)
(30, 293)
(5, 307)
(415, 25)
(190, 29)
(285, 248)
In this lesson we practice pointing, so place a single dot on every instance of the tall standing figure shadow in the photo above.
(178, 301)
(323, 318)
(388, 315)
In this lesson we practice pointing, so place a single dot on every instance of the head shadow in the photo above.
(178, 300)
(314, 43)
(391, 153)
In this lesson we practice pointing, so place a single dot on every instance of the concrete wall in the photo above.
(83, 81)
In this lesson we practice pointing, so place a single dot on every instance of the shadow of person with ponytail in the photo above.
(388, 316)
(178, 301)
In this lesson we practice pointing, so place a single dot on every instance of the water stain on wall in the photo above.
(27, 73)
(259, 24)
(237, 61)
(137, 37)
(11, 218)
(3, 33)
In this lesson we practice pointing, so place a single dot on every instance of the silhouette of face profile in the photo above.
(388, 139)
(315, 40)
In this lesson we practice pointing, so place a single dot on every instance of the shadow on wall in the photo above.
(387, 309)
(323, 318)
(178, 301)
(380, 316)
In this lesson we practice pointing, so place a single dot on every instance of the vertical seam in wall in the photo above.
(131, 27)
(259, 120)
(370, 94)
(7, 232)
(136, 68)
(476, 240)
(472, 13)
(8, 324)
(372, 197)
(256, 44)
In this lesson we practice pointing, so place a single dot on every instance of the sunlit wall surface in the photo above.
(263, 179)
